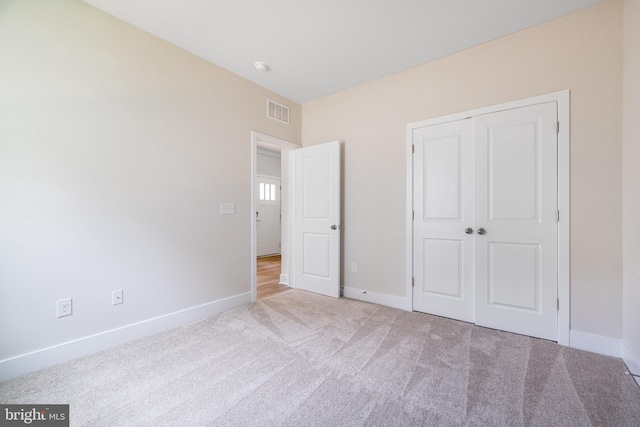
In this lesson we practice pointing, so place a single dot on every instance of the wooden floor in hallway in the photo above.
(268, 277)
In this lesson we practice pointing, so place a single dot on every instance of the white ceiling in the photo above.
(318, 47)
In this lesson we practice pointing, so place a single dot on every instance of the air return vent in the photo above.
(277, 111)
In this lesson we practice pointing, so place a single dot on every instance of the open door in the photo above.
(317, 219)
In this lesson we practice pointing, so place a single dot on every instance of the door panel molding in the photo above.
(562, 99)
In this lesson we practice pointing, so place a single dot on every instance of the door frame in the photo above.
(562, 98)
(263, 140)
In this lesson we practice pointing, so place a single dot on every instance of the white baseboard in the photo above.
(39, 359)
(284, 279)
(631, 359)
(375, 297)
(595, 343)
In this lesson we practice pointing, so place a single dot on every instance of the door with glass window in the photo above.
(268, 216)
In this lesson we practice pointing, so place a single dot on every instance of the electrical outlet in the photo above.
(64, 307)
(116, 297)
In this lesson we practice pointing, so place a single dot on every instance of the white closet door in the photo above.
(494, 177)
(516, 207)
(443, 209)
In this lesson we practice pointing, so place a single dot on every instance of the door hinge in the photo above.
(558, 215)
(557, 127)
(558, 307)
(413, 214)
(413, 282)
(413, 149)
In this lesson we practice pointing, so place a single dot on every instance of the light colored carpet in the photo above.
(300, 359)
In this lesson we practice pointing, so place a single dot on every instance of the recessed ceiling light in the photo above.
(261, 66)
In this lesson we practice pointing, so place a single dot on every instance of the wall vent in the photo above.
(277, 111)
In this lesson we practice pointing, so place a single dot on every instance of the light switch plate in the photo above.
(116, 297)
(227, 208)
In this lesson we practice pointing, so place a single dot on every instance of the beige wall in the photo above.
(116, 150)
(631, 177)
(581, 52)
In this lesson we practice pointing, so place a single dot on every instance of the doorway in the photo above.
(271, 257)
(268, 223)
(311, 214)
(490, 239)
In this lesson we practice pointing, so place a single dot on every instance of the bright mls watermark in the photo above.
(34, 415)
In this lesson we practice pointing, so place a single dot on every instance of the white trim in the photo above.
(284, 279)
(631, 359)
(375, 297)
(291, 208)
(596, 343)
(562, 98)
(541, 99)
(268, 152)
(59, 353)
(261, 175)
(408, 229)
(262, 140)
(564, 206)
(272, 142)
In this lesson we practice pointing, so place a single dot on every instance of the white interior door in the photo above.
(268, 229)
(516, 206)
(443, 209)
(495, 177)
(317, 224)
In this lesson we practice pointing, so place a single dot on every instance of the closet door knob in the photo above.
(481, 231)
(468, 230)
